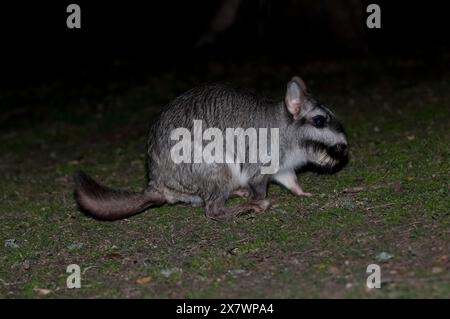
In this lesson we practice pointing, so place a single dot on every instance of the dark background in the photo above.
(141, 37)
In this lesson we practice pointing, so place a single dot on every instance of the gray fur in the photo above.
(222, 107)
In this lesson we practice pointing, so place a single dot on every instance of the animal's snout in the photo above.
(339, 150)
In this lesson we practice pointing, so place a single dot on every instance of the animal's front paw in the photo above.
(303, 194)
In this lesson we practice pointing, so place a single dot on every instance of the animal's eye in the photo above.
(319, 121)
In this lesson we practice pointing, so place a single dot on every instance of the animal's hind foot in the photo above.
(261, 205)
(226, 213)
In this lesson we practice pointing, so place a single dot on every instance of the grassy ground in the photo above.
(389, 206)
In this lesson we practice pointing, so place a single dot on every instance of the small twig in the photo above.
(303, 252)
(87, 268)
(353, 190)
(5, 283)
(378, 206)
(242, 240)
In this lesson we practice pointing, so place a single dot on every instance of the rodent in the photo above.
(309, 135)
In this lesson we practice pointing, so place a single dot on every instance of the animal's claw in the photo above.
(304, 194)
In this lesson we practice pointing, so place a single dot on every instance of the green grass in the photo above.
(303, 247)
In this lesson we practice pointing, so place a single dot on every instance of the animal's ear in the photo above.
(300, 82)
(295, 97)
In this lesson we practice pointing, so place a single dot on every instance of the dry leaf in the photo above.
(384, 256)
(144, 280)
(115, 256)
(42, 291)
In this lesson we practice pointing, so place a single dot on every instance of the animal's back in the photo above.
(219, 106)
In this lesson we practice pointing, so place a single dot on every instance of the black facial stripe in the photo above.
(326, 169)
(336, 126)
(333, 122)
(319, 121)
(302, 121)
(317, 146)
(314, 145)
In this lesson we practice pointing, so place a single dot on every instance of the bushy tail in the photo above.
(107, 204)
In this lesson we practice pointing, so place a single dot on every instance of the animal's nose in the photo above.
(339, 150)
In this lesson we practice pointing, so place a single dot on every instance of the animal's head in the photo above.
(320, 134)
